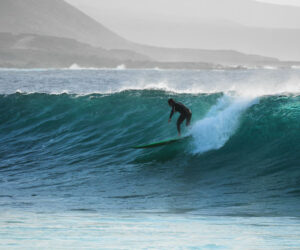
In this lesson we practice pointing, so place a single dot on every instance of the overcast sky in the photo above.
(161, 22)
(283, 2)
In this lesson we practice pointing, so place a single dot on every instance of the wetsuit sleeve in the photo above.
(172, 112)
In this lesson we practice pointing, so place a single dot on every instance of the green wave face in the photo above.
(121, 120)
(242, 150)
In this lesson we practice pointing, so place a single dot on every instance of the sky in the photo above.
(120, 15)
(187, 23)
(124, 15)
(283, 2)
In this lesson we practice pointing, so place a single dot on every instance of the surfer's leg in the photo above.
(188, 119)
(179, 121)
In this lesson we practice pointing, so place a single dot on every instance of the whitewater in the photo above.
(69, 176)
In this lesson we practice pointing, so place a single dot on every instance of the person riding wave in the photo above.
(185, 113)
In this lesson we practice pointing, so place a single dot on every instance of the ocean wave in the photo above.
(220, 123)
(247, 84)
(217, 117)
(241, 149)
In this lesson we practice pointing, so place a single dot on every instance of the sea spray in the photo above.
(220, 123)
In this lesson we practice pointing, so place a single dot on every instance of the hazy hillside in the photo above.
(211, 56)
(29, 50)
(247, 26)
(38, 51)
(246, 12)
(56, 18)
(279, 43)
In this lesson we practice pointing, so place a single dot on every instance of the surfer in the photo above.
(185, 113)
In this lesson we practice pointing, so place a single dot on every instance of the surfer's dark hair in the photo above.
(170, 101)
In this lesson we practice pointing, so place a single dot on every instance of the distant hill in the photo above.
(252, 13)
(226, 57)
(31, 50)
(46, 19)
(270, 42)
(247, 26)
(55, 18)
(39, 51)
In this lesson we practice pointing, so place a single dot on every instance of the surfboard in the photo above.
(161, 143)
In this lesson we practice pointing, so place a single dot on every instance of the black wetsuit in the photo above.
(185, 113)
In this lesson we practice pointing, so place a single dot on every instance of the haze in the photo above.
(124, 16)
(196, 23)
(227, 32)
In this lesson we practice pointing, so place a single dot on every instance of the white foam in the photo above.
(220, 123)
(295, 67)
(19, 91)
(76, 66)
(121, 67)
(244, 83)
(269, 67)
(163, 85)
(245, 89)
(258, 83)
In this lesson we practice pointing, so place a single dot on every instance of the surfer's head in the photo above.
(171, 101)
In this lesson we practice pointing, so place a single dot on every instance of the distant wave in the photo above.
(245, 83)
(244, 89)
(75, 66)
(121, 67)
(270, 67)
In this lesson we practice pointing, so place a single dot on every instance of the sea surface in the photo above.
(69, 177)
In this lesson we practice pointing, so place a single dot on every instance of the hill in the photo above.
(31, 50)
(56, 18)
(247, 26)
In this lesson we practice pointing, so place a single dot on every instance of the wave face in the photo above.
(73, 149)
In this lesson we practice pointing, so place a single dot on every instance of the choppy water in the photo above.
(67, 161)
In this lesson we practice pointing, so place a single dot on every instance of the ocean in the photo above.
(69, 177)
